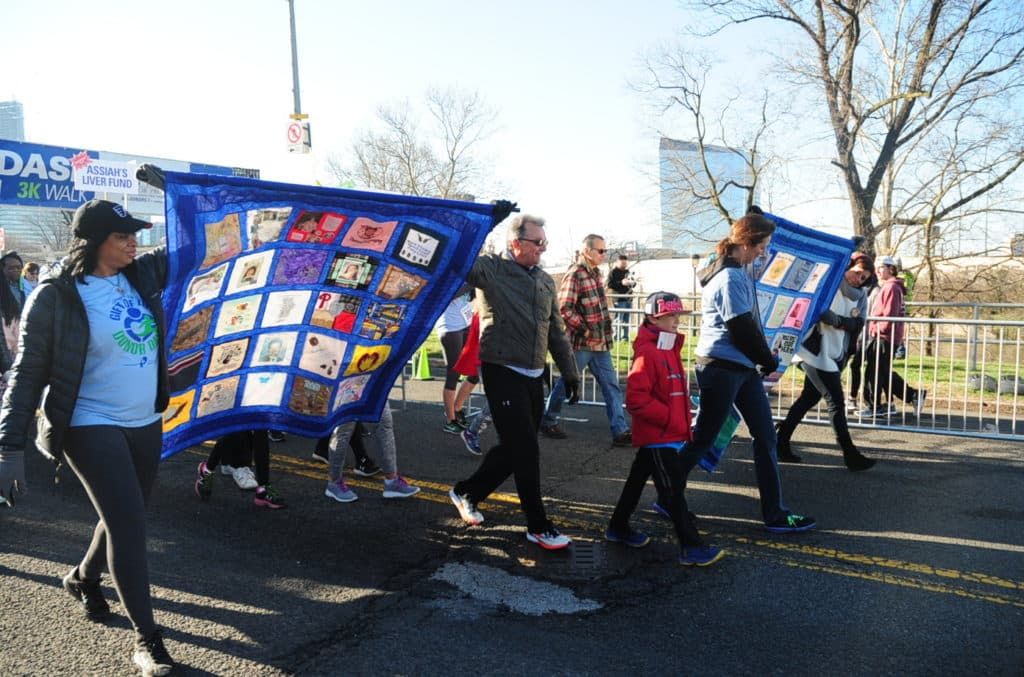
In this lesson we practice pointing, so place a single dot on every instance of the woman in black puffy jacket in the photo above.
(93, 339)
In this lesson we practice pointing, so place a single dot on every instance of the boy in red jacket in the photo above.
(658, 398)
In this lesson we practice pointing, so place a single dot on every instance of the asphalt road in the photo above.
(917, 568)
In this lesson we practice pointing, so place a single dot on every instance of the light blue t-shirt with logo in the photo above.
(120, 378)
(728, 294)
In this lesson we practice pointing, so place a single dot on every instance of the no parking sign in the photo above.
(298, 136)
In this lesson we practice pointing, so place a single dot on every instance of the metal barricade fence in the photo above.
(970, 369)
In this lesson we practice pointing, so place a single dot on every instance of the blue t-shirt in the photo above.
(120, 378)
(728, 294)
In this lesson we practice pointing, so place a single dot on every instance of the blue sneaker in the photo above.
(472, 442)
(634, 539)
(340, 491)
(790, 524)
(399, 488)
(700, 555)
(661, 510)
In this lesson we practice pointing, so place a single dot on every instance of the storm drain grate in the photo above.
(584, 560)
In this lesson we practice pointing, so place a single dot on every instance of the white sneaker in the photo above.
(550, 539)
(245, 478)
(470, 515)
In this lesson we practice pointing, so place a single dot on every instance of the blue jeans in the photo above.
(622, 334)
(719, 389)
(600, 363)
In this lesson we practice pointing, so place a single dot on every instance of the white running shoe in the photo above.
(467, 510)
(550, 539)
(245, 478)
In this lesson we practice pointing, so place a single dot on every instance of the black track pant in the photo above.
(818, 384)
(516, 404)
(661, 463)
(232, 445)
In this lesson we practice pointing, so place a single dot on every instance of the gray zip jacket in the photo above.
(519, 318)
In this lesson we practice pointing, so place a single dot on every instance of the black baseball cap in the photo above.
(96, 219)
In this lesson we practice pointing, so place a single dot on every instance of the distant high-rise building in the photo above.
(1017, 244)
(690, 222)
(12, 121)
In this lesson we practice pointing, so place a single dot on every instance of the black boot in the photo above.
(88, 593)
(856, 461)
(151, 657)
(782, 450)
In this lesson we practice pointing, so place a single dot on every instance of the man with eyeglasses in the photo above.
(519, 325)
(584, 308)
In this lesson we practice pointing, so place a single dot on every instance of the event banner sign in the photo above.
(802, 273)
(295, 307)
(36, 175)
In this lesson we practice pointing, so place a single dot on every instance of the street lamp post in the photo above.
(694, 262)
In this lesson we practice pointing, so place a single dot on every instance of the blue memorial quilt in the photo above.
(297, 307)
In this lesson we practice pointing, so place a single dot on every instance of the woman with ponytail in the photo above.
(732, 358)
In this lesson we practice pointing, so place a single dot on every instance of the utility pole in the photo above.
(298, 129)
(295, 59)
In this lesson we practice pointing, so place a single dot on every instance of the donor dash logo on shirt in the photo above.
(137, 335)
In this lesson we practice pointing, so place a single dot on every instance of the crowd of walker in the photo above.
(101, 403)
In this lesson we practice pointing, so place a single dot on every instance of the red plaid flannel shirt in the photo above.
(584, 308)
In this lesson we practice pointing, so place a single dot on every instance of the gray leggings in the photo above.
(117, 467)
(381, 434)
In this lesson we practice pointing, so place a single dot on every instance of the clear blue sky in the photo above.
(210, 81)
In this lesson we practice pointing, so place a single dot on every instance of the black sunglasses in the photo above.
(540, 243)
(599, 251)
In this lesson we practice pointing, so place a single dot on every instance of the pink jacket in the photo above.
(889, 303)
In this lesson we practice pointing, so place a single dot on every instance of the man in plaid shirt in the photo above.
(584, 308)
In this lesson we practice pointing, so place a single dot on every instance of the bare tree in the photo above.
(54, 230)
(432, 150)
(714, 178)
(941, 193)
(894, 73)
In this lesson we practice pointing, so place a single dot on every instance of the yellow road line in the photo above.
(901, 581)
(575, 516)
(884, 562)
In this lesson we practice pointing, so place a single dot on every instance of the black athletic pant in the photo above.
(856, 364)
(256, 440)
(117, 466)
(516, 403)
(818, 384)
(879, 377)
(452, 343)
(661, 463)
